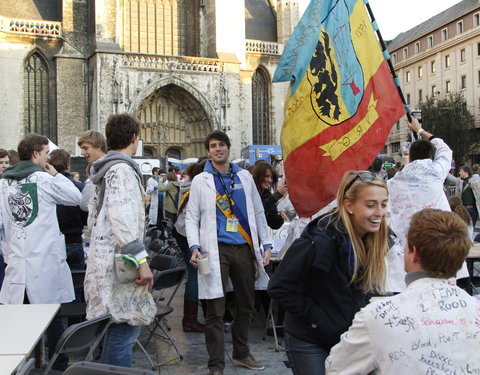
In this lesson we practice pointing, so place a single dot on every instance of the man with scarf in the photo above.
(37, 270)
(225, 220)
(116, 220)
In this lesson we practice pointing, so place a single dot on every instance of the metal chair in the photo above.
(92, 368)
(26, 367)
(81, 336)
(164, 279)
(156, 246)
(147, 241)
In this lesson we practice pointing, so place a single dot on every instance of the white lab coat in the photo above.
(201, 227)
(419, 185)
(431, 328)
(153, 191)
(36, 254)
(120, 221)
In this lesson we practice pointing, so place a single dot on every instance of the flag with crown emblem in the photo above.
(342, 101)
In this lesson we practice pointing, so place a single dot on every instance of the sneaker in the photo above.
(249, 362)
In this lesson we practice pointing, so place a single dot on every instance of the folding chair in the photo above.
(81, 336)
(26, 367)
(156, 246)
(149, 231)
(76, 309)
(147, 241)
(164, 279)
(91, 368)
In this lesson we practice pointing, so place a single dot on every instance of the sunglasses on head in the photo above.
(363, 176)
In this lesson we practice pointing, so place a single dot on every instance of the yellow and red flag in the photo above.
(342, 101)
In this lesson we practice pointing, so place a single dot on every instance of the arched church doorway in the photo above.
(173, 120)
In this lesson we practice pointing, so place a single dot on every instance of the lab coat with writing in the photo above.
(201, 227)
(36, 254)
(419, 185)
(431, 328)
(120, 221)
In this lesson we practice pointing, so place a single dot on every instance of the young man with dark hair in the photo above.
(71, 219)
(36, 271)
(226, 221)
(117, 222)
(418, 185)
(432, 327)
(421, 149)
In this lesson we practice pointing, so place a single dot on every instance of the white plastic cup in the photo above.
(203, 266)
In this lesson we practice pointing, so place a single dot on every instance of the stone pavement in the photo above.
(192, 346)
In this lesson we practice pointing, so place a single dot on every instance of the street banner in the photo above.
(342, 101)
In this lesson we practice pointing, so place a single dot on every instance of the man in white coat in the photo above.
(432, 327)
(37, 270)
(418, 185)
(225, 221)
(117, 222)
(152, 191)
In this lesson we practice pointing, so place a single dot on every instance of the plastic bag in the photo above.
(133, 304)
(130, 303)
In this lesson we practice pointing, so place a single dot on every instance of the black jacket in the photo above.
(71, 219)
(269, 202)
(312, 283)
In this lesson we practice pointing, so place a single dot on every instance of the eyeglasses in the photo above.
(363, 176)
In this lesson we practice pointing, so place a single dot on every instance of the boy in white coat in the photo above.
(37, 270)
(433, 326)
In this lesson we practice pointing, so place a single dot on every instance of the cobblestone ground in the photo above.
(192, 346)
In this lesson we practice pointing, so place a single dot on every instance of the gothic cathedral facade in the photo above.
(184, 67)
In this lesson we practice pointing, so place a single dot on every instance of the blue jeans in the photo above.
(75, 256)
(191, 289)
(118, 344)
(305, 358)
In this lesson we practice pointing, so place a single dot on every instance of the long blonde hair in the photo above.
(370, 250)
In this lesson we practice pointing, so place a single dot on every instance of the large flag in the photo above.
(342, 101)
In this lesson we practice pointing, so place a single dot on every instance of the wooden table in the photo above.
(22, 327)
(10, 363)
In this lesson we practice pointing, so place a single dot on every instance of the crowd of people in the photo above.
(368, 287)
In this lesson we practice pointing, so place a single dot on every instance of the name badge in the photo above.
(232, 225)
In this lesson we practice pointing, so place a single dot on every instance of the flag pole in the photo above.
(387, 57)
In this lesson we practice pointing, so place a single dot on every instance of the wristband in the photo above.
(141, 261)
(420, 132)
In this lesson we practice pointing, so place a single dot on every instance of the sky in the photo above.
(394, 17)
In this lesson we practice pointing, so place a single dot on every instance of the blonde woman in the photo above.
(327, 273)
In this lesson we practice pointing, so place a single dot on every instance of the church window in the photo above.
(261, 108)
(36, 96)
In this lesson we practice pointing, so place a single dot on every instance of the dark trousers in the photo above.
(472, 210)
(236, 262)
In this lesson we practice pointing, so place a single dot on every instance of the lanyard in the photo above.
(232, 183)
